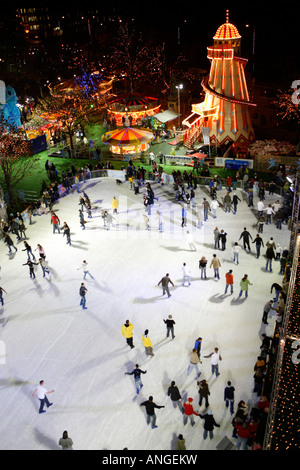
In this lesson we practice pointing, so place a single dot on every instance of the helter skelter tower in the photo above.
(225, 109)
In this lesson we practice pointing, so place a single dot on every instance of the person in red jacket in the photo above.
(189, 412)
(229, 281)
(244, 433)
(55, 222)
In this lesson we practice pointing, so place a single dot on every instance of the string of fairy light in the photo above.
(283, 427)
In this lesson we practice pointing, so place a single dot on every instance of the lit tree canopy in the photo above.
(16, 161)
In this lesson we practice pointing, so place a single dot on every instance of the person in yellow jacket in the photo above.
(127, 332)
(147, 343)
(115, 205)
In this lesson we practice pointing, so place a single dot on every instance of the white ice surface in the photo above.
(82, 355)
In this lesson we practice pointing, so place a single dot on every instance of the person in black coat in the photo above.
(209, 424)
(170, 326)
(174, 394)
(150, 410)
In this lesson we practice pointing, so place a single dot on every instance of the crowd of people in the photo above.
(248, 426)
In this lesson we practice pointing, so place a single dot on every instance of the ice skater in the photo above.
(215, 357)
(190, 241)
(189, 412)
(9, 242)
(84, 267)
(165, 284)
(186, 274)
(194, 361)
(127, 332)
(1, 295)
(41, 392)
(229, 281)
(244, 284)
(147, 344)
(137, 377)
(44, 266)
(216, 264)
(41, 251)
(174, 394)
(55, 222)
(31, 268)
(29, 251)
(245, 235)
(81, 219)
(150, 411)
(170, 326)
(82, 293)
(67, 232)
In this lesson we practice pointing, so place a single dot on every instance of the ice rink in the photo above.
(82, 355)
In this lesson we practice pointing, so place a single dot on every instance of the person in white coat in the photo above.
(214, 206)
(186, 274)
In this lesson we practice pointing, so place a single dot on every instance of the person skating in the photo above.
(202, 266)
(84, 267)
(216, 264)
(82, 293)
(115, 205)
(214, 205)
(174, 394)
(209, 424)
(270, 255)
(150, 411)
(147, 344)
(258, 243)
(203, 392)
(1, 295)
(42, 392)
(29, 251)
(236, 249)
(223, 238)
(245, 235)
(44, 266)
(215, 357)
(189, 412)
(229, 396)
(165, 281)
(197, 346)
(41, 251)
(128, 333)
(186, 274)
(67, 232)
(65, 441)
(244, 284)
(55, 222)
(229, 281)
(235, 200)
(31, 268)
(170, 326)
(180, 443)
(9, 242)
(267, 309)
(194, 361)
(137, 377)
(81, 219)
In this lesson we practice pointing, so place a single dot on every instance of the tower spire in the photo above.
(227, 16)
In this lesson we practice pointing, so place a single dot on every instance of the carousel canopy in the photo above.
(132, 100)
(127, 136)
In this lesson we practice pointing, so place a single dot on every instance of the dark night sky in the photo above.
(276, 29)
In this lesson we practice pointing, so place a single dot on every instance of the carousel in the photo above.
(130, 109)
(128, 141)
